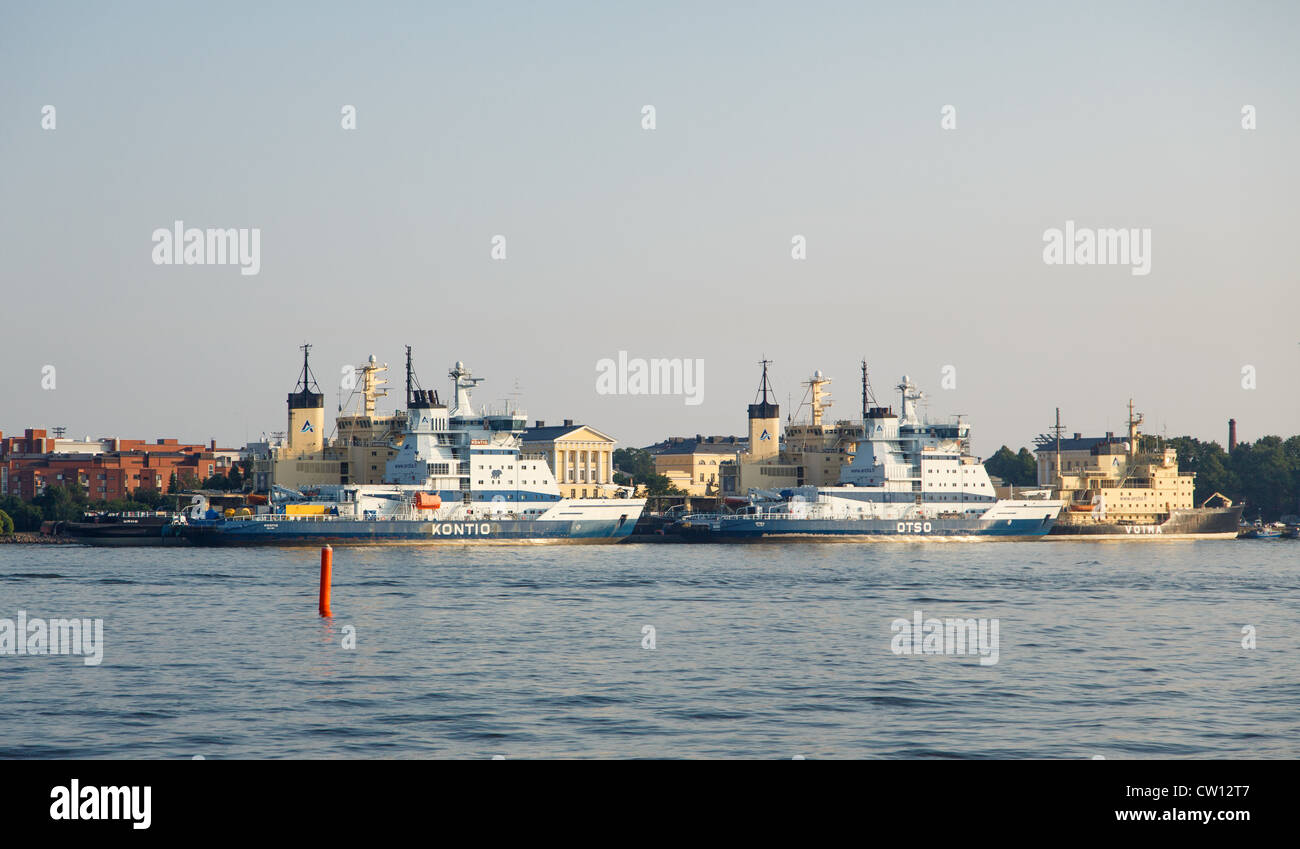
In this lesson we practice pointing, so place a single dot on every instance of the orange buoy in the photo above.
(326, 574)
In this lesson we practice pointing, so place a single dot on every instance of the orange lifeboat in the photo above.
(427, 501)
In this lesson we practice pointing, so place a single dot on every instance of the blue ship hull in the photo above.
(750, 529)
(315, 531)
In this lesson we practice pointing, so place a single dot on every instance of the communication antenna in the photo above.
(1057, 429)
(412, 382)
(868, 396)
(764, 387)
(307, 380)
(512, 406)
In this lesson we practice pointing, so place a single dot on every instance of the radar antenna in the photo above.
(1057, 429)
(764, 387)
(307, 380)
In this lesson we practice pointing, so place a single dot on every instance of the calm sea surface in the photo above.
(1126, 650)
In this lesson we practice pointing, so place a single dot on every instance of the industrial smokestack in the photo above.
(1232, 434)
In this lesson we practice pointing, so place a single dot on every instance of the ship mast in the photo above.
(306, 380)
(1133, 421)
(415, 395)
(867, 398)
(1057, 430)
(763, 387)
(410, 379)
(819, 399)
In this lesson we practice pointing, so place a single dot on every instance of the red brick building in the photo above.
(107, 468)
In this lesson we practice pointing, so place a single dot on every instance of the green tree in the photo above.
(659, 485)
(152, 499)
(1265, 477)
(638, 465)
(25, 516)
(1017, 469)
(636, 462)
(64, 502)
(6, 524)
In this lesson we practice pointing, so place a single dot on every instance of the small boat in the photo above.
(1260, 531)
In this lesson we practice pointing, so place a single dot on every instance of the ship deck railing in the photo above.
(398, 517)
(814, 514)
(774, 514)
(274, 517)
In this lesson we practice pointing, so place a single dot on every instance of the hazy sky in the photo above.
(924, 245)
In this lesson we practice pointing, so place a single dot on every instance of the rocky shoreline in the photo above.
(29, 538)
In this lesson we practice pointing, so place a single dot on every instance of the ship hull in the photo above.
(744, 529)
(406, 531)
(1201, 523)
(123, 534)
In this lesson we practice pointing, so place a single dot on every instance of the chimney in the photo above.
(1232, 434)
(539, 423)
(568, 422)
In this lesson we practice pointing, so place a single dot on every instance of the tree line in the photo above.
(638, 465)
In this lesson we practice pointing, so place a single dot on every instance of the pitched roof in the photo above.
(699, 444)
(550, 434)
(693, 447)
(1086, 443)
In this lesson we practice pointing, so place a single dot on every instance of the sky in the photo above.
(923, 242)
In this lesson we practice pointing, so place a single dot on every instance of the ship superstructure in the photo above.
(459, 473)
(1126, 486)
(907, 477)
(817, 447)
